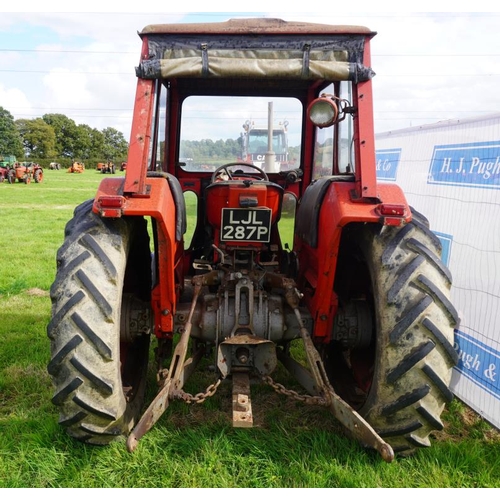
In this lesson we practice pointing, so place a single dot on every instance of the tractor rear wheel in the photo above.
(38, 175)
(398, 371)
(97, 365)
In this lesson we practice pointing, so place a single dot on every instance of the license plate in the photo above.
(242, 224)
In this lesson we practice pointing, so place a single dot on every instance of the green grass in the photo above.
(291, 445)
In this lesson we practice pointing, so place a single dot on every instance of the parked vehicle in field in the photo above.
(7, 160)
(266, 146)
(106, 168)
(28, 171)
(7, 173)
(54, 166)
(76, 168)
(361, 288)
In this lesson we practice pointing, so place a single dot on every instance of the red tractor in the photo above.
(7, 173)
(106, 168)
(360, 286)
(26, 171)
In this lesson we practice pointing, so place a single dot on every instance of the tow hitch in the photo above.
(234, 353)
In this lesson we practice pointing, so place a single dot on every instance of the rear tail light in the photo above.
(392, 210)
(392, 214)
(110, 206)
(111, 201)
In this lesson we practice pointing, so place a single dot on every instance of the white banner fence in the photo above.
(450, 172)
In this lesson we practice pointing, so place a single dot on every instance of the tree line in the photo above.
(55, 137)
(210, 151)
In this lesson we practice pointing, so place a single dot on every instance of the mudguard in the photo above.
(325, 209)
(165, 204)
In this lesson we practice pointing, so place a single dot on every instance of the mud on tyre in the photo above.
(99, 377)
(398, 377)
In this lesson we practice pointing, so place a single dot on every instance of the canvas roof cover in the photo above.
(252, 49)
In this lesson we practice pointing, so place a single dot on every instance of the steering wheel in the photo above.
(260, 174)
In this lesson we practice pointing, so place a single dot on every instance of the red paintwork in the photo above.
(344, 203)
(319, 264)
(227, 195)
(157, 204)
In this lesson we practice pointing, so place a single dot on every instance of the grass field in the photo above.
(291, 445)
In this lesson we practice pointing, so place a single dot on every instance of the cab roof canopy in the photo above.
(255, 49)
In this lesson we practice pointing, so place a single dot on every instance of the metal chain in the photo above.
(197, 398)
(212, 388)
(280, 389)
(161, 377)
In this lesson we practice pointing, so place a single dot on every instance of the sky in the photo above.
(432, 65)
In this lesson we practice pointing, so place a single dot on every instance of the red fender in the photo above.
(318, 261)
(158, 204)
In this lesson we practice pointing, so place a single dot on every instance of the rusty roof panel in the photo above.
(256, 26)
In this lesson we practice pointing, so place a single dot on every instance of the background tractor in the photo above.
(76, 168)
(347, 291)
(266, 147)
(7, 173)
(106, 168)
(28, 171)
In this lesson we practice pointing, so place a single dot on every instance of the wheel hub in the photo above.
(353, 325)
(136, 318)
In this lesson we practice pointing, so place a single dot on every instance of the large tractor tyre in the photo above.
(396, 372)
(38, 175)
(98, 366)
